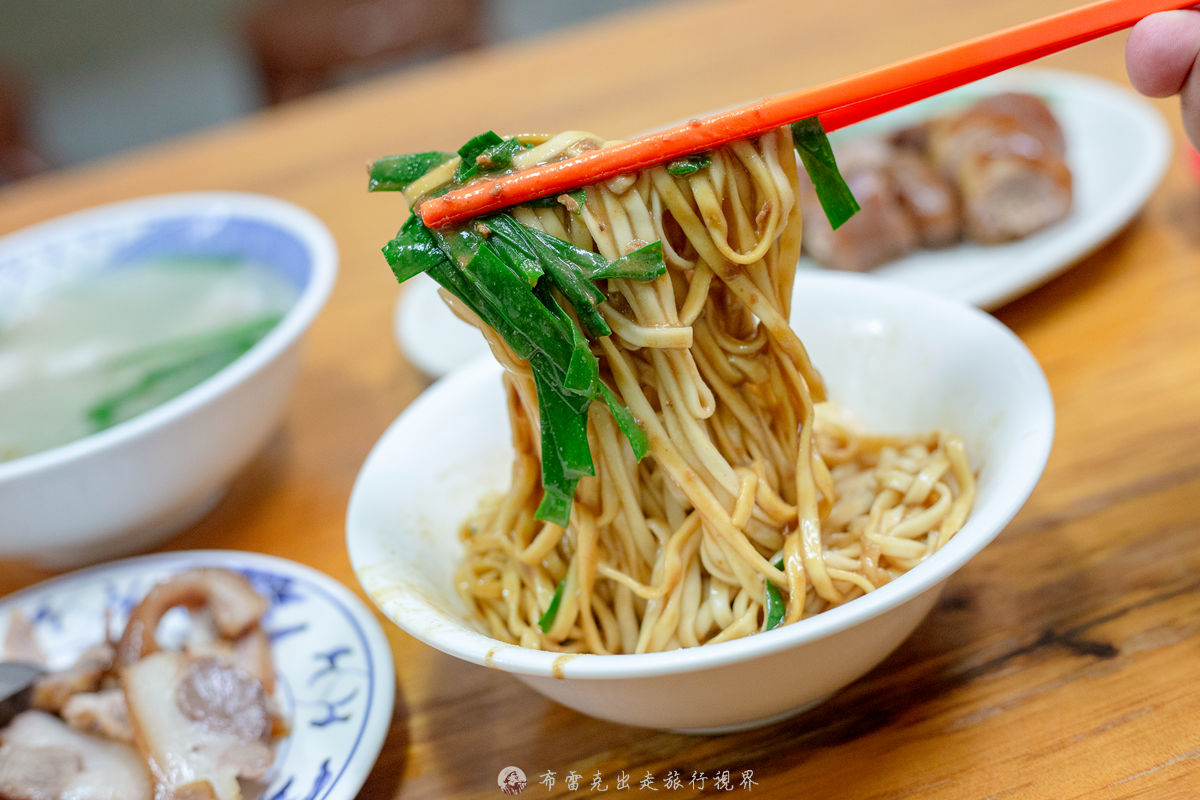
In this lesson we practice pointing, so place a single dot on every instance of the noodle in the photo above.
(754, 488)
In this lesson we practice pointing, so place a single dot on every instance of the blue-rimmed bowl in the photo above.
(127, 487)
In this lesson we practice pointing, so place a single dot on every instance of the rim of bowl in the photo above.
(308, 230)
(429, 625)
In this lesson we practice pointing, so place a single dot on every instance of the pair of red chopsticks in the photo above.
(837, 104)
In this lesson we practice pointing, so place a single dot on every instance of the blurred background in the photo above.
(82, 79)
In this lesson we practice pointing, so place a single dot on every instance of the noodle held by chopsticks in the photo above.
(757, 503)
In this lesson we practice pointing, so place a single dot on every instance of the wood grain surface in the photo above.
(1060, 663)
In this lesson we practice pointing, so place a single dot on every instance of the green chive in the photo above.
(774, 607)
(546, 621)
(396, 173)
(817, 155)
(689, 164)
(643, 264)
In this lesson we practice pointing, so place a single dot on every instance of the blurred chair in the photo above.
(302, 46)
(19, 157)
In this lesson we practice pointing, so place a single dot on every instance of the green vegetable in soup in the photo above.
(97, 351)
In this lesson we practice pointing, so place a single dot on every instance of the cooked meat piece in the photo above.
(251, 651)
(1032, 113)
(54, 689)
(224, 699)
(201, 724)
(911, 137)
(235, 608)
(929, 198)
(956, 139)
(103, 713)
(1010, 198)
(140, 722)
(37, 773)
(880, 232)
(1005, 154)
(43, 759)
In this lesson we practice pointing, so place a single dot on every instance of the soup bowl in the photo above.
(126, 487)
(899, 360)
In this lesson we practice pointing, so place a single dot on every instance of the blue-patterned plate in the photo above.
(335, 678)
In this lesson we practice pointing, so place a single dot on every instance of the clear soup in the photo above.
(95, 352)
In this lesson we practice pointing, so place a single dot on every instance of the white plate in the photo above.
(435, 340)
(1117, 148)
(335, 679)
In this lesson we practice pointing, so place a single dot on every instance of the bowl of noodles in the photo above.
(899, 359)
(687, 473)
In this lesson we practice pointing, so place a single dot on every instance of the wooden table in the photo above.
(1062, 662)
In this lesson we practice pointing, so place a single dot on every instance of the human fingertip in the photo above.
(1161, 50)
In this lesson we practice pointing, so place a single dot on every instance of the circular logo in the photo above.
(512, 780)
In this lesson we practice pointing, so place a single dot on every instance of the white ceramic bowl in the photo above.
(898, 359)
(124, 488)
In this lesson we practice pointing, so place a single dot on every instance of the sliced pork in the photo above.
(881, 231)
(103, 713)
(234, 605)
(20, 641)
(200, 723)
(928, 198)
(1006, 154)
(131, 720)
(992, 173)
(54, 689)
(41, 758)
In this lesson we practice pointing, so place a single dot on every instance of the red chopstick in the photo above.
(837, 104)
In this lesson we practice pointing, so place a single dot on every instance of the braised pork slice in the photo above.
(1010, 198)
(200, 723)
(41, 758)
(54, 689)
(1032, 113)
(130, 720)
(991, 173)
(928, 197)
(234, 605)
(103, 713)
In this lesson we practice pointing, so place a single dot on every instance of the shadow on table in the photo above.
(387, 775)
